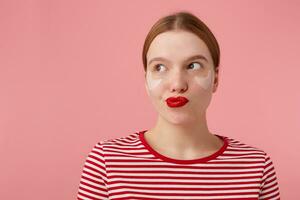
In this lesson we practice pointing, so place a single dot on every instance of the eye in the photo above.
(197, 66)
(158, 67)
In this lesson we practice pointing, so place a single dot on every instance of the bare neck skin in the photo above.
(186, 142)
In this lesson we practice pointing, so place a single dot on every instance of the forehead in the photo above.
(177, 45)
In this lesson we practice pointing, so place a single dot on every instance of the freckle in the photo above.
(204, 82)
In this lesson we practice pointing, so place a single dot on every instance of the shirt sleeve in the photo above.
(269, 186)
(93, 181)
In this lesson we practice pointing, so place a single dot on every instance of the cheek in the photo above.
(153, 83)
(153, 86)
(205, 82)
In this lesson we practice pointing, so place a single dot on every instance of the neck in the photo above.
(181, 137)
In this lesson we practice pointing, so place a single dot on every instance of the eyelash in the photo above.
(155, 67)
(201, 66)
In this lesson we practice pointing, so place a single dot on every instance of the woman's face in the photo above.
(180, 64)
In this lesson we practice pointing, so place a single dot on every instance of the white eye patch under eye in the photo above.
(152, 83)
(205, 82)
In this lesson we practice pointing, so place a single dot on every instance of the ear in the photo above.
(216, 80)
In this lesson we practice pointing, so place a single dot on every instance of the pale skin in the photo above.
(181, 132)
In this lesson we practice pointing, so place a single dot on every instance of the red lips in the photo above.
(176, 101)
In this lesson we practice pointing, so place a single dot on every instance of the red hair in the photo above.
(188, 22)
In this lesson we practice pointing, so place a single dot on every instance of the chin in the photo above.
(180, 119)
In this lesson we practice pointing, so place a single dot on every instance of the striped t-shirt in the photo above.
(128, 168)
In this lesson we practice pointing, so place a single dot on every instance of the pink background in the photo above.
(66, 65)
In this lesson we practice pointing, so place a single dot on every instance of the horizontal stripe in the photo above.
(129, 168)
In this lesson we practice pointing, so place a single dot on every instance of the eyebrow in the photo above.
(188, 59)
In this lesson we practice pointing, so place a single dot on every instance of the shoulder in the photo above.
(241, 152)
(129, 140)
(239, 147)
(124, 140)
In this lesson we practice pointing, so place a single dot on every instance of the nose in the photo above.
(178, 82)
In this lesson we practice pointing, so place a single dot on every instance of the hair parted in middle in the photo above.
(188, 22)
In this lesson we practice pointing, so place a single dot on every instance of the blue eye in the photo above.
(197, 66)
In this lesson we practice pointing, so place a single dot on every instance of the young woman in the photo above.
(179, 158)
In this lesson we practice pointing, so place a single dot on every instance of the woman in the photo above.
(179, 158)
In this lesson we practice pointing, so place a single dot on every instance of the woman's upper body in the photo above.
(179, 158)
(129, 168)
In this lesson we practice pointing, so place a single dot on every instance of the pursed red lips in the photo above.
(176, 101)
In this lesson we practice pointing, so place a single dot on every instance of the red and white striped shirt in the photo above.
(128, 168)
